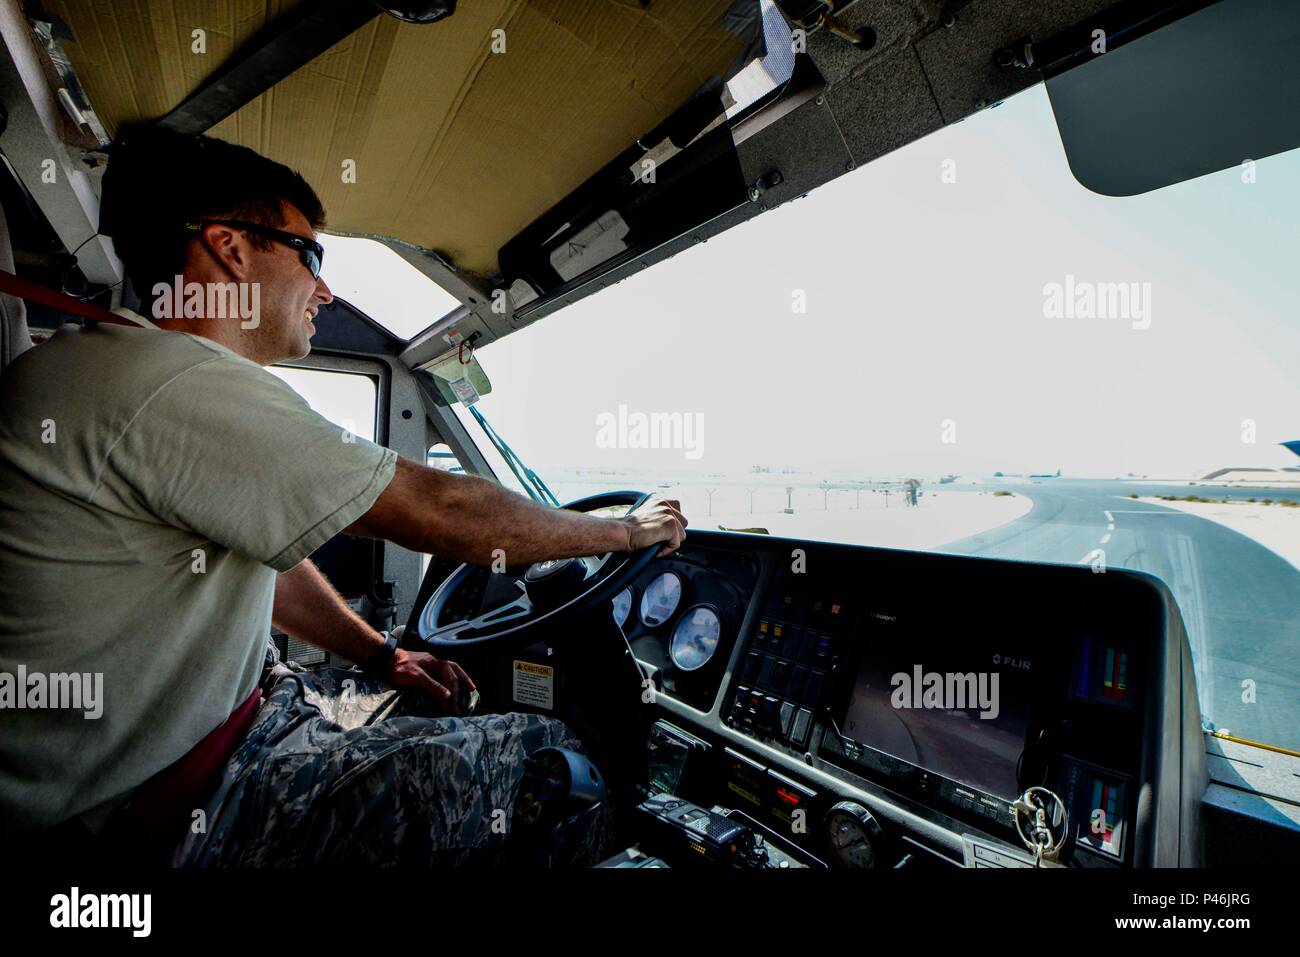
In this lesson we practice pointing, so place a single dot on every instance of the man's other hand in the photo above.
(443, 681)
(657, 520)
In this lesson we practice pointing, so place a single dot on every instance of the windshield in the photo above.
(960, 349)
(383, 285)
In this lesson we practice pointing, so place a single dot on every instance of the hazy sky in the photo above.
(925, 303)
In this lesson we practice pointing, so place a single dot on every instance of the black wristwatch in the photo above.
(378, 663)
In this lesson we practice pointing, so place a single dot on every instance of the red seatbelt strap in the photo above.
(32, 292)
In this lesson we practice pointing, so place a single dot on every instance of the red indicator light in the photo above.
(787, 796)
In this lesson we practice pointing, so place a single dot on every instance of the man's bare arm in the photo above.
(308, 607)
(467, 518)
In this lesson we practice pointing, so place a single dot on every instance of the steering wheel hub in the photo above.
(551, 583)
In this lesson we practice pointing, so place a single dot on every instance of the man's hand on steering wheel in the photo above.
(656, 520)
(441, 680)
(548, 589)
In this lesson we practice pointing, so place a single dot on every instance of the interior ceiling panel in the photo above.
(456, 147)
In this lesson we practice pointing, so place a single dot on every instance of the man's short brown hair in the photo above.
(157, 181)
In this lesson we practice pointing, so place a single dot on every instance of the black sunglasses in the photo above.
(311, 252)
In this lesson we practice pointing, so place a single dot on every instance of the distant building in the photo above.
(1256, 475)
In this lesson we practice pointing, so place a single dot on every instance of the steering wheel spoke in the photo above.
(521, 607)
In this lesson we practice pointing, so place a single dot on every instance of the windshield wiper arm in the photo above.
(532, 482)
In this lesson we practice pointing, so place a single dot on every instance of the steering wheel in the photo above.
(547, 590)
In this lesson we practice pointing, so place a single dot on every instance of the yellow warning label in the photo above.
(534, 684)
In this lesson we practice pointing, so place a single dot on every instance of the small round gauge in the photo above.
(695, 638)
(852, 834)
(661, 599)
(622, 606)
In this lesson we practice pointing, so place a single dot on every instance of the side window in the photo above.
(442, 457)
(348, 399)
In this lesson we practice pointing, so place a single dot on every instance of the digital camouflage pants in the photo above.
(338, 768)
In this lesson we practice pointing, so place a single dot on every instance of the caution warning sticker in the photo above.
(534, 685)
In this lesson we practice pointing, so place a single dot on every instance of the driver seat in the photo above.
(15, 337)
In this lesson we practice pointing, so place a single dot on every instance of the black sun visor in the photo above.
(1145, 99)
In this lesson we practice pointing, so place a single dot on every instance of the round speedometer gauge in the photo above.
(695, 638)
(852, 833)
(660, 599)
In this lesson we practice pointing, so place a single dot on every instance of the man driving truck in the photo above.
(160, 492)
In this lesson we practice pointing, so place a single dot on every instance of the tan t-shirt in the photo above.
(152, 484)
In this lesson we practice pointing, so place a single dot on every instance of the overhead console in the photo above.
(930, 692)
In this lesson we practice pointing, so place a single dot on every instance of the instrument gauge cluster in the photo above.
(682, 617)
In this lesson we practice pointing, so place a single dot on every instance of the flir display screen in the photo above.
(957, 710)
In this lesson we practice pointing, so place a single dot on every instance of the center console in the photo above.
(869, 688)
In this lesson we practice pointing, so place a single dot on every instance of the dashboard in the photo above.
(843, 698)
(861, 706)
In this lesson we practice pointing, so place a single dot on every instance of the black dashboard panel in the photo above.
(852, 664)
(963, 703)
(831, 686)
